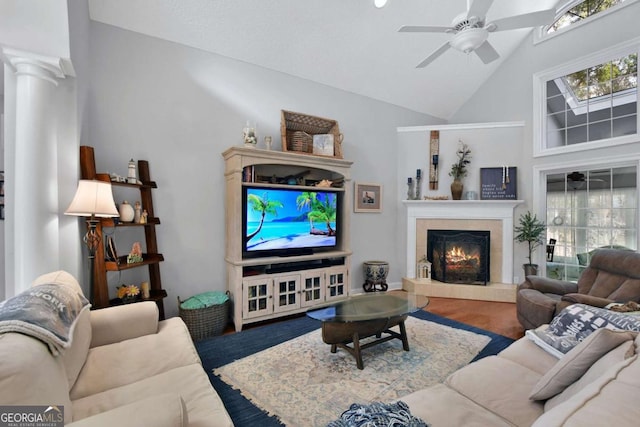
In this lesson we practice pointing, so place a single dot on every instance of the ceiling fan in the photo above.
(577, 180)
(471, 31)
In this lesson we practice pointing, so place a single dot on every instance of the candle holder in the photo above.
(418, 184)
(433, 181)
(410, 194)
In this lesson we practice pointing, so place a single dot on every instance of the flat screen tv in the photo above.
(288, 222)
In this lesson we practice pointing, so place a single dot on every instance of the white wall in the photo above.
(180, 108)
(35, 26)
(508, 94)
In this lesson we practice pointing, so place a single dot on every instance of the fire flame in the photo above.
(458, 255)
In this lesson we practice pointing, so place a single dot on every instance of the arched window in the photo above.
(577, 11)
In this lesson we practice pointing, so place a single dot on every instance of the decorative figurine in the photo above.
(136, 254)
(131, 175)
(143, 217)
(138, 213)
(249, 135)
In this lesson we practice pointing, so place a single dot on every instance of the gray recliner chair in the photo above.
(612, 276)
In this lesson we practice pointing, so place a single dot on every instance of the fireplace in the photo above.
(459, 256)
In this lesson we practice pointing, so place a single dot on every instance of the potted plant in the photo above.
(532, 231)
(459, 170)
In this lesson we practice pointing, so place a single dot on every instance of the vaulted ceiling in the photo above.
(347, 44)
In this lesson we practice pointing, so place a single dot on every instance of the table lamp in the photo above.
(93, 199)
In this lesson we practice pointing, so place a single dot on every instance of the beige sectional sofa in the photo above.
(123, 368)
(597, 383)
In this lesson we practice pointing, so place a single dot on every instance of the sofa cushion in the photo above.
(439, 405)
(163, 410)
(501, 386)
(525, 353)
(613, 395)
(577, 361)
(122, 363)
(204, 406)
(599, 368)
(123, 322)
(30, 375)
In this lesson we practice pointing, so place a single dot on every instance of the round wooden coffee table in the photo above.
(348, 321)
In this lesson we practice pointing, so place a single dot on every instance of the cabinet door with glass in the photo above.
(336, 280)
(287, 292)
(257, 297)
(312, 286)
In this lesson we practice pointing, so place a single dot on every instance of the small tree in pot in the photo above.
(532, 231)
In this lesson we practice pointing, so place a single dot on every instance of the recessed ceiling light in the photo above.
(379, 3)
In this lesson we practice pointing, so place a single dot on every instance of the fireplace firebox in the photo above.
(459, 256)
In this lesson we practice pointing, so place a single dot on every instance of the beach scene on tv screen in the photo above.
(284, 219)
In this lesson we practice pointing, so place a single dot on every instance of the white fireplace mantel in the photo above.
(462, 209)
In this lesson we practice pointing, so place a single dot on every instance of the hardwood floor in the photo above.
(497, 317)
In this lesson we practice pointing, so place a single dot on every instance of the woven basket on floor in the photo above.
(206, 321)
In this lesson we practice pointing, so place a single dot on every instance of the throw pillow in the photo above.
(575, 323)
(595, 373)
(577, 361)
(378, 414)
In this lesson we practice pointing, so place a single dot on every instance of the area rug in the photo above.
(218, 351)
(304, 384)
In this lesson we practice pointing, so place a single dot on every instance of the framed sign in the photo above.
(499, 183)
(368, 197)
(323, 144)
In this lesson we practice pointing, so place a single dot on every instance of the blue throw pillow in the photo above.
(378, 414)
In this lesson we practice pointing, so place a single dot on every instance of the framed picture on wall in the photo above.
(499, 183)
(368, 197)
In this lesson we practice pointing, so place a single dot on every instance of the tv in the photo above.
(289, 221)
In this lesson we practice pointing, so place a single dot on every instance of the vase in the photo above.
(530, 269)
(126, 212)
(375, 274)
(456, 189)
(129, 299)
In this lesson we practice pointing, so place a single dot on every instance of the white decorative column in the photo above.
(33, 211)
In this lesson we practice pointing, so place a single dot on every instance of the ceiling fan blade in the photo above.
(527, 20)
(479, 8)
(486, 52)
(442, 49)
(423, 29)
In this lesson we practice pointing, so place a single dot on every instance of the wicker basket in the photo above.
(297, 132)
(207, 321)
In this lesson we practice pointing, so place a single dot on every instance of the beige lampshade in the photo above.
(93, 198)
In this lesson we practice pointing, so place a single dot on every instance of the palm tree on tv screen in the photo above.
(324, 210)
(307, 199)
(264, 206)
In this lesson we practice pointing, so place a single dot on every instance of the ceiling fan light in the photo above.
(470, 39)
(379, 3)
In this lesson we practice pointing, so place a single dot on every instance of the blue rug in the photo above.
(219, 351)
